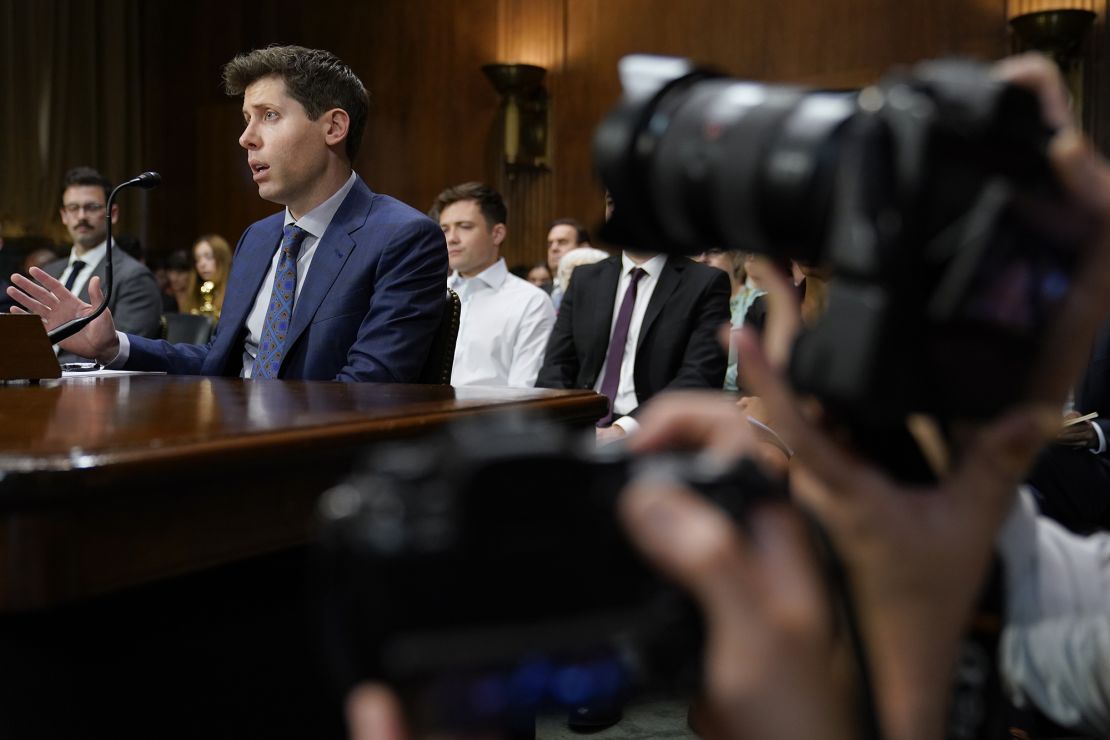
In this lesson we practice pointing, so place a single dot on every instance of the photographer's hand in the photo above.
(775, 667)
(373, 713)
(915, 558)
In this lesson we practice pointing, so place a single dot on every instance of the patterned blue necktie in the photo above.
(271, 347)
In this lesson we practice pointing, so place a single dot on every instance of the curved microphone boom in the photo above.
(146, 181)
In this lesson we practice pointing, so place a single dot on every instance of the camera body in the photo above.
(929, 196)
(485, 575)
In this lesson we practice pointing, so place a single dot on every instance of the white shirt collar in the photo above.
(317, 220)
(652, 267)
(93, 256)
(493, 276)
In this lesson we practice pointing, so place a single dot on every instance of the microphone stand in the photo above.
(146, 181)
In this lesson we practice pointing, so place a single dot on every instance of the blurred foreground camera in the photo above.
(484, 575)
(929, 195)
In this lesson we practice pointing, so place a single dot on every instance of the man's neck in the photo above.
(640, 257)
(478, 270)
(325, 187)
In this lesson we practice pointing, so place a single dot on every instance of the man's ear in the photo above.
(115, 213)
(338, 124)
(499, 232)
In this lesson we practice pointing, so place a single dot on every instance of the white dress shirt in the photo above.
(503, 329)
(1055, 646)
(315, 222)
(626, 401)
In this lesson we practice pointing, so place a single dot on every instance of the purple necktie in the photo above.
(614, 358)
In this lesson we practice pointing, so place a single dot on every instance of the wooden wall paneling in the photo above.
(831, 44)
(1097, 77)
(1089, 76)
(192, 128)
(531, 32)
(1019, 7)
(434, 116)
(431, 108)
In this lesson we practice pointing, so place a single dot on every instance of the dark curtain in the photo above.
(70, 94)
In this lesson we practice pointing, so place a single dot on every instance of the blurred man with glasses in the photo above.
(136, 302)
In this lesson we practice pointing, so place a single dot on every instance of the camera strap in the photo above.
(840, 596)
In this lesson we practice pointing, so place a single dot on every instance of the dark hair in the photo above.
(489, 202)
(316, 79)
(79, 176)
(179, 261)
(582, 237)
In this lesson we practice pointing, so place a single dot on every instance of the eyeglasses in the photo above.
(90, 208)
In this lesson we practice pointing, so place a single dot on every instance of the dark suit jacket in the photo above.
(677, 346)
(1093, 392)
(367, 311)
(1073, 486)
(136, 302)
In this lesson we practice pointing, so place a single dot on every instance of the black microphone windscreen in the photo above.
(149, 180)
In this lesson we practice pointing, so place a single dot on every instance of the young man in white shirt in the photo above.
(505, 321)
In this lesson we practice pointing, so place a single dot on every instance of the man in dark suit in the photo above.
(674, 308)
(343, 284)
(136, 302)
(1072, 477)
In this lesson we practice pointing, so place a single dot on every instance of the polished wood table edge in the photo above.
(581, 405)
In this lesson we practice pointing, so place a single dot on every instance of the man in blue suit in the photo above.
(345, 284)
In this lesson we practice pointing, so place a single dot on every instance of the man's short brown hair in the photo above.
(490, 202)
(316, 79)
(81, 176)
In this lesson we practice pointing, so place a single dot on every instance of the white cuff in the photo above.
(120, 359)
(629, 425)
(1101, 439)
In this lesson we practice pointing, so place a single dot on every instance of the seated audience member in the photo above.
(744, 291)
(179, 272)
(208, 279)
(136, 303)
(575, 259)
(505, 321)
(342, 284)
(35, 257)
(1071, 479)
(38, 257)
(158, 266)
(777, 664)
(540, 276)
(563, 236)
(634, 325)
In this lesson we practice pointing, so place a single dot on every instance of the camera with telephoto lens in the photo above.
(483, 574)
(929, 196)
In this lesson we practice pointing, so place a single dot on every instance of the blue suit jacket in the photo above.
(367, 311)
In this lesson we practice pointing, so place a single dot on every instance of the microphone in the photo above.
(145, 181)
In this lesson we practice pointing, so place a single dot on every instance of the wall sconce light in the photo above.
(523, 114)
(1055, 32)
(1058, 33)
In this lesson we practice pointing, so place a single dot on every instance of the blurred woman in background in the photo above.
(212, 262)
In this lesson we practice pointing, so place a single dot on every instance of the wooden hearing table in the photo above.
(114, 481)
(155, 579)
